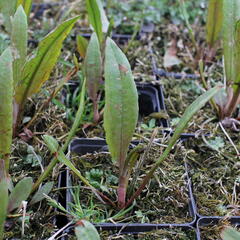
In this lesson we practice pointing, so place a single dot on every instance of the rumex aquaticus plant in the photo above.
(30, 73)
(120, 119)
(11, 197)
(229, 98)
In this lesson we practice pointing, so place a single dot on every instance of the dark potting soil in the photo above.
(215, 180)
(213, 232)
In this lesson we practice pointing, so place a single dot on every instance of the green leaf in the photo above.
(187, 116)
(53, 146)
(27, 5)
(121, 102)
(19, 42)
(94, 15)
(93, 67)
(37, 70)
(105, 22)
(20, 193)
(214, 20)
(182, 125)
(230, 234)
(7, 9)
(39, 195)
(3, 204)
(82, 44)
(231, 14)
(237, 56)
(217, 143)
(6, 107)
(86, 231)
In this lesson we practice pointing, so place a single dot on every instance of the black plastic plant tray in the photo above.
(149, 97)
(165, 74)
(39, 9)
(196, 208)
(211, 221)
(83, 146)
(123, 232)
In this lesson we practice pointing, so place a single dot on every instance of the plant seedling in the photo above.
(30, 74)
(229, 98)
(120, 119)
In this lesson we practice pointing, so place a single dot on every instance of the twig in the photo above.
(59, 231)
(228, 137)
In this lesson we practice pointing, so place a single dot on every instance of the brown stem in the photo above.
(96, 114)
(17, 116)
(231, 107)
(144, 183)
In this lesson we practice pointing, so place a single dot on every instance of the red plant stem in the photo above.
(122, 188)
(231, 107)
(96, 115)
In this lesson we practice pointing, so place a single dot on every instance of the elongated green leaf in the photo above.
(27, 5)
(19, 42)
(93, 67)
(3, 204)
(94, 15)
(82, 44)
(214, 20)
(39, 195)
(105, 22)
(237, 55)
(7, 9)
(20, 193)
(230, 234)
(231, 14)
(86, 231)
(121, 102)
(53, 146)
(6, 107)
(37, 69)
(182, 125)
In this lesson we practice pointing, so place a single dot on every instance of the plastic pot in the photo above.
(150, 99)
(83, 146)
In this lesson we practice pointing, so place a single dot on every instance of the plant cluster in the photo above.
(105, 68)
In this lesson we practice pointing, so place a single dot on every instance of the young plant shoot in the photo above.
(120, 112)
(228, 99)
